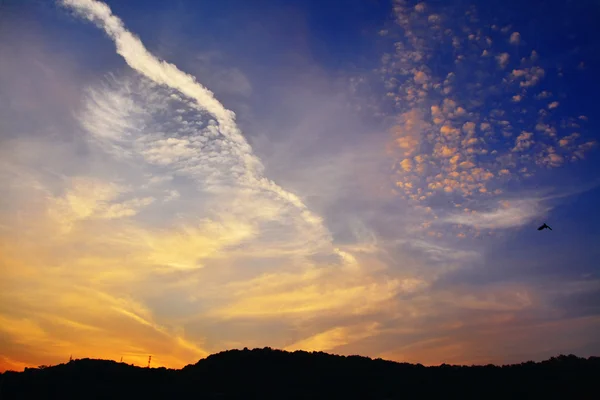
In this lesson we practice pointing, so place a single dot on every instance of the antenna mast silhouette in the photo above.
(149, 359)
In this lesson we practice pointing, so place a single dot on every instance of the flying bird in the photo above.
(541, 228)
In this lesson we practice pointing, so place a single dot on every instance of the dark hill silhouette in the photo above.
(275, 374)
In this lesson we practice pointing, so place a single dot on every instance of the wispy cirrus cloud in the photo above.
(175, 190)
(506, 214)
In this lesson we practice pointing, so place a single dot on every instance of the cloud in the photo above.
(249, 168)
(111, 279)
(506, 214)
(93, 199)
(279, 296)
(503, 59)
(472, 139)
(543, 95)
(164, 236)
(406, 165)
(515, 38)
(549, 158)
(568, 140)
(161, 72)
(169, 151)
(523, 141)
(335, 337)
(421, 77)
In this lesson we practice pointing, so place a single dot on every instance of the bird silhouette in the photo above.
(541, 228)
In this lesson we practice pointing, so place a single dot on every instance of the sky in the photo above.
(355, 177)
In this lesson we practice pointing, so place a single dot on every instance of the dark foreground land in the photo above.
(274, 374)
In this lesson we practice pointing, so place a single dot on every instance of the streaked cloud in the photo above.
(168, 147)
(506, 214)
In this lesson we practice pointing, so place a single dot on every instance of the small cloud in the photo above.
(555, 160)
(534, 55)
(449, 132)
(550, 159)
(456, 42)
(434, 19)
(517, 98)
(568, 140)
(503, 59)
(448, 105)
(583, 148)
(547, 129)
(515, 38)
(553, 105)
(469, 128)
(406, 164)
(543, 95)
(470, 142)
(447, 152)
(485, 127)
(420, 7)
(421, 77)
(523, 141)
(460, 112)
(532, 77)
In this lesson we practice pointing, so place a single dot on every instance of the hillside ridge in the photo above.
(269, 373)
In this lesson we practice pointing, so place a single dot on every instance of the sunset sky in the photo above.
(363, 177)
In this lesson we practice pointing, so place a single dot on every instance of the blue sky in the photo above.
(354, 177)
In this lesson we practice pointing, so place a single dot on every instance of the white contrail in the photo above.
(140, 59)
